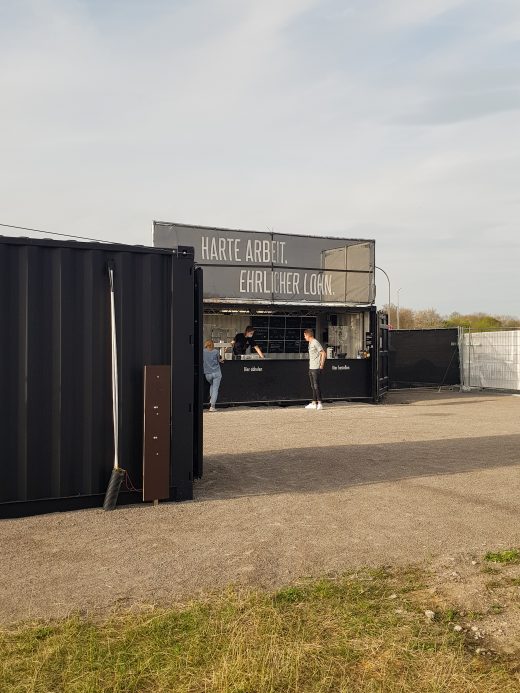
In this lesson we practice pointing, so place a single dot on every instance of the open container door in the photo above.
(379, 330)
(198, 375)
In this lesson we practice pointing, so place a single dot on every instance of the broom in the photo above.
(118, 474)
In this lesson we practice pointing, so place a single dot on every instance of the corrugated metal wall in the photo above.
(56, 437)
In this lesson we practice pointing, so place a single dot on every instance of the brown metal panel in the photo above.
(156, 439)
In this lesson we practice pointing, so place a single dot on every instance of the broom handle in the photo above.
(115, 389)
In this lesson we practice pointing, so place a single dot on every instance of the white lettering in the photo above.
(205, 248)
(258, 281)
(230, 249)
(328, 285)
(261, 252)
(242, 281)
(296, 283)
(213, 252)
(222, 249)
(267, 254)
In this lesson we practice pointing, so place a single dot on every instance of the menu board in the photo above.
(278, 334)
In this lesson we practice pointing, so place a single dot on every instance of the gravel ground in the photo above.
(287, 493)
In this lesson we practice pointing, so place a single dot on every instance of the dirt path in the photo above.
(287, 493)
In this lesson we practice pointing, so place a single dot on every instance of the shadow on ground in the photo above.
(434, 397)
(316, 470)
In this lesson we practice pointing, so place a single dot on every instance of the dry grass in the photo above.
(363, 632)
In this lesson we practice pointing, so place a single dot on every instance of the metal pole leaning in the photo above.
(117, 475)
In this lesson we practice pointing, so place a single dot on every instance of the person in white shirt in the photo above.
(317, 358)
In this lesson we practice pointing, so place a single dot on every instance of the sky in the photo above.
(394, 120)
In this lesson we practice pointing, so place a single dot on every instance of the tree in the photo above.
(406, 319)
(428, 318)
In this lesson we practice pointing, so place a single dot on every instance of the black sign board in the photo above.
(257, 267)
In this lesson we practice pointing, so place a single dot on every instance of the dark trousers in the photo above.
(314, 377)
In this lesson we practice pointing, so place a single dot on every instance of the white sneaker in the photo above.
(319, 406)
(311, 405)
(213, 408)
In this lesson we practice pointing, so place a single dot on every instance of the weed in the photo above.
(450, 615)
(506, 556)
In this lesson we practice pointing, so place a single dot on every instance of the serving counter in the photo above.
(277, 380)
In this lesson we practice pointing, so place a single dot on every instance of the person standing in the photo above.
(317, 358)
(212, 371)
(244, 342)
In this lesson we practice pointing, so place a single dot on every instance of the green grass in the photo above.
(507, 556)
(359, 633)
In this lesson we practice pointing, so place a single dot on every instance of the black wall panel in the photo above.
(56, 437)
(423, 358)
(288, 381)
(200, 380)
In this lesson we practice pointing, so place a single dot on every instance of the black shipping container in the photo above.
(56, 430)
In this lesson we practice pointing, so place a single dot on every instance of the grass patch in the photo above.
(358, 633)
(451, 615)
(506, 556)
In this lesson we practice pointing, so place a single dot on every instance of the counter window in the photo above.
(346, 336)
(281, 336)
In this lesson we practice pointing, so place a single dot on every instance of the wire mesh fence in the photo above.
(490, 360)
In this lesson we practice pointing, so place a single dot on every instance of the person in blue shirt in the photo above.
(212, 371)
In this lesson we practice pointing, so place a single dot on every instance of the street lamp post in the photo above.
(388, 279)
(398, 290)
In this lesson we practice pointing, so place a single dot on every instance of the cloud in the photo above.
(386, 118)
